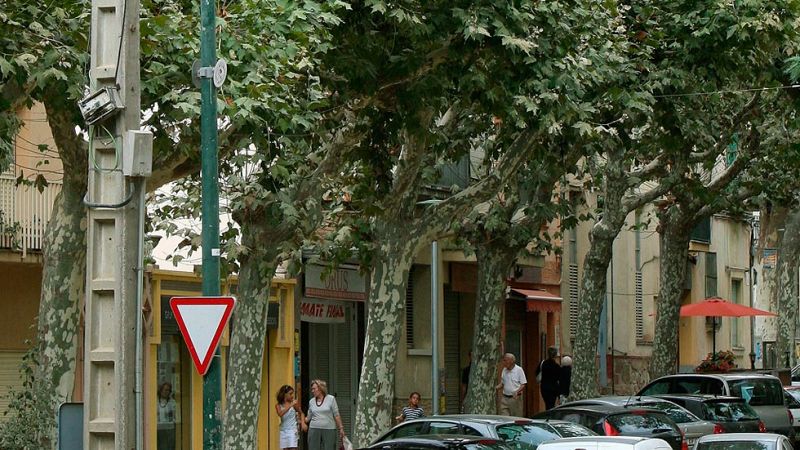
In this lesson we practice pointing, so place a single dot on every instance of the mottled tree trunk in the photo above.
(786, 285)
(494, 265)
(63, 283)
(64, 266)
(592, 295)
(674, 249)
(386, 303)
(248, 334)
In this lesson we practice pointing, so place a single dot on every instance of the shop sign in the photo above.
(320, 311)
(335, 284)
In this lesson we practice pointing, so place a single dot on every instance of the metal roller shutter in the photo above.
(10, 377)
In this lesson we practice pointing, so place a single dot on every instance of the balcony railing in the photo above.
(25, 213)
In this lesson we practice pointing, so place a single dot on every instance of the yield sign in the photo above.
(201, 320)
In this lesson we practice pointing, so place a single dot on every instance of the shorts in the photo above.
(288, 439)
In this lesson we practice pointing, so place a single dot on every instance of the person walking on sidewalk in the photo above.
(323, 418)
(512, 384)
(551, 372)
(291, 415)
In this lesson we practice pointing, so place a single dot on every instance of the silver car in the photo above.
(692, 426)
(520, 433)
(763, 393)
(743, 441)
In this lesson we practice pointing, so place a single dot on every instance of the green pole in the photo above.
(212, 382)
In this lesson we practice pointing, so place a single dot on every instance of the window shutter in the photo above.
(573, 298)
(410, 309)
(639, 307)
(711, 274)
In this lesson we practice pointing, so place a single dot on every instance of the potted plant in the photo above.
(721, 361)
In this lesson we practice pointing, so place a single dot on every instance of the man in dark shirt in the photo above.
(551, 372)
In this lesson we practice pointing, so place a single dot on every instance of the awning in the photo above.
(538, 300)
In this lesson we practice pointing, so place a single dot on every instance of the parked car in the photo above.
(762, 392)
(521, 433)
(609, 420)
(607, 443)
(692, 426)
(449, 442)
(744, 441)
(791, 396)
(728, 414)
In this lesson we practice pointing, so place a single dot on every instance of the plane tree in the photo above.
(268, 83)
(679, 48)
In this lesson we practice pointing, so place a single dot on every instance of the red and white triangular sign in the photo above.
(201, 320)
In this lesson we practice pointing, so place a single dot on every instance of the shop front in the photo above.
(331, 319)
(173, 388)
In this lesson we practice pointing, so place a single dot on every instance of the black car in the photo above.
(611, 420)
(729, 414)
(449, 442)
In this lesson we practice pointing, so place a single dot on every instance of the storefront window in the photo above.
(170, 384)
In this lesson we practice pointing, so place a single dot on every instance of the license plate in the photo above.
(690, 443)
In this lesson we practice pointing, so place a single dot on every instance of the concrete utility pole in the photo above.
(111, 412)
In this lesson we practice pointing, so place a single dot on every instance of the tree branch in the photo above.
(468, 198)
(745, 113)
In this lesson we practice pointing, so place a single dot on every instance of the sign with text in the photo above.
(321, 311)
(336, 284)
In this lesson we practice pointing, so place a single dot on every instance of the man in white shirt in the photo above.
(512, 384)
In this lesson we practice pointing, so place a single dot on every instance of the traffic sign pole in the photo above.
(212, 382)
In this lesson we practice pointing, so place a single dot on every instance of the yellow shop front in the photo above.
(174, 390)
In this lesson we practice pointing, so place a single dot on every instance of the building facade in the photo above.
(718, 266)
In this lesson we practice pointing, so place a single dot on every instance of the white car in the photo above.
(743, 441)
(606, 443)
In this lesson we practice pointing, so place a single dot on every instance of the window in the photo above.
(412, 429)
(736, 297)
(711, 274)
(659, 387)
(527, 436)
(758, 392)
(443, 428)
(724, 411)
(702, 231)
(469, 431)
(677, 414)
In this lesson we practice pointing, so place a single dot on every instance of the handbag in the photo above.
(539, 372)
(346, 444)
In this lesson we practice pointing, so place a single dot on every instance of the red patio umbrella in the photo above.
(717, 307)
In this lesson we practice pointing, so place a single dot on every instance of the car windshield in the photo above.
(567, 429)
(791, 400)
(758, 391)
(736, 445)
(640, 422)
(525, 436)
(729, 411)
(674, 412)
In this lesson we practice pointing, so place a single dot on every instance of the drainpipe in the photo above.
(435, 325)
(139, 325)
(752, 294)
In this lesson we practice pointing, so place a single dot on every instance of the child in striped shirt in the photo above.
(412, 411)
